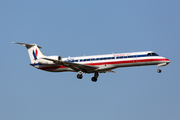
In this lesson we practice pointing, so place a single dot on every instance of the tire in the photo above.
(159, 71)
(94, 79)
(79, 76)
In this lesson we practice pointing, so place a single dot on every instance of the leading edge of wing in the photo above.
(74, 66)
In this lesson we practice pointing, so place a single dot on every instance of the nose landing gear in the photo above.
(160, 65)
(159, 70)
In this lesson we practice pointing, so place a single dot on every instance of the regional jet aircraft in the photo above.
(92, 64)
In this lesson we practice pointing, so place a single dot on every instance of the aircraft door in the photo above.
(136, 62)
(135, 59)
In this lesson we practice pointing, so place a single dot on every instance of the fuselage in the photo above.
(109, 61)
(92, 64)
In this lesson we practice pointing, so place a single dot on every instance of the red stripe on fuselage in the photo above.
(127, 61)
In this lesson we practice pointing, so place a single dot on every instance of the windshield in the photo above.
(152, 54)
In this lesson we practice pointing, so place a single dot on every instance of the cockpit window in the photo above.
(152, 54)
(149, 54)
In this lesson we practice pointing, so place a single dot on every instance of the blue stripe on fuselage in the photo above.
(99, 59)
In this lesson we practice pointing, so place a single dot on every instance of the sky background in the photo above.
(78, 28)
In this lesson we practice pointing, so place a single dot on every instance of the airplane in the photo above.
(92, 64)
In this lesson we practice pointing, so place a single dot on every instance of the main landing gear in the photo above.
(79, 75)
(94, 79)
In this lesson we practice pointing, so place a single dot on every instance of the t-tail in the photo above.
(34, 52)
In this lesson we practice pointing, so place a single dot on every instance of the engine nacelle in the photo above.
(48, 62)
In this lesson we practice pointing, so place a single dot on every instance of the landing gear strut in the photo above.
(94, 79)
(162, 64)
(159, 66)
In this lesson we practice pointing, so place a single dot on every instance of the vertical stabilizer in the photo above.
(33, 50)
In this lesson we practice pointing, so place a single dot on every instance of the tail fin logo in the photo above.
(35, 54)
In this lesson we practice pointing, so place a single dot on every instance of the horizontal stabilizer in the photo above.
(33, 50)
(26, 45)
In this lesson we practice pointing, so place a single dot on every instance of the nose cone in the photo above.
(168, 61)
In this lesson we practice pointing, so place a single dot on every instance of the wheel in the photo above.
(79, 76)
(94, 79)
(159, 71)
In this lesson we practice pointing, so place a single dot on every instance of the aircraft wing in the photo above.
(75, 66)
